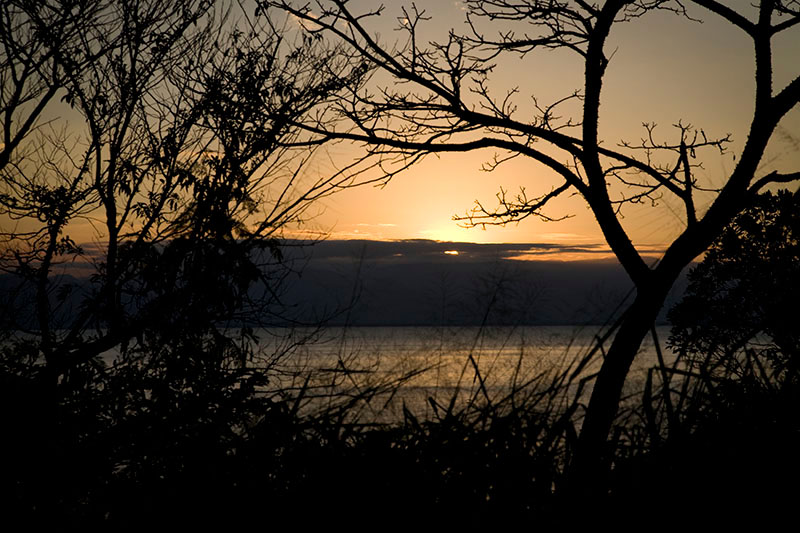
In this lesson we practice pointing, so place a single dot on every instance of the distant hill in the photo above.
(417, 283)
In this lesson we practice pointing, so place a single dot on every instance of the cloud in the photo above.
(305, 23)
(404, 282)
(425, 250)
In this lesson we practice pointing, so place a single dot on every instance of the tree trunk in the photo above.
(588, 475)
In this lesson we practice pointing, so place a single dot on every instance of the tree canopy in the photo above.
(150, 160)
(744, 294)
(167, 135)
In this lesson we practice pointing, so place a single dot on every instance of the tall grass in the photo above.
(169, 437)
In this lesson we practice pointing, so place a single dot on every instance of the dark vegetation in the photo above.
(188, 167)
(721, 428)
(439, 96)
(179, 430)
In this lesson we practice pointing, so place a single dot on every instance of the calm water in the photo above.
(434, 363)
(377, 371)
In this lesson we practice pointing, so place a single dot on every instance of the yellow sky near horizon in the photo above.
(663, 69)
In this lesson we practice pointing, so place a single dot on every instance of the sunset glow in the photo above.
(433, 255)
(710, 87)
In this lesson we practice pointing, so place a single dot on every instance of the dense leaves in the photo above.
(744, 295)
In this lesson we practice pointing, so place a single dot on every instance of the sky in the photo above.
(663, 69)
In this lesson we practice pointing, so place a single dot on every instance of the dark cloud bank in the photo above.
(416, 283)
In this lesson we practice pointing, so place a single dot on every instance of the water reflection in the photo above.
(420, 368)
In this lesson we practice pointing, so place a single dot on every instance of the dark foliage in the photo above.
(724, 425)
(745, 293)
(185, 429)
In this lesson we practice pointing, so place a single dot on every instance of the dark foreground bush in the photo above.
(190, 440)
(204, 448)
(722, 431)
(731, 460)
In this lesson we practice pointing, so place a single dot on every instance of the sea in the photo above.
(374, 374)
(385, 373)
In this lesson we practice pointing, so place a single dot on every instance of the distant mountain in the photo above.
(426, 283)
(413, 282)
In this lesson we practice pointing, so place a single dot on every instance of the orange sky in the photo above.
(663, 69)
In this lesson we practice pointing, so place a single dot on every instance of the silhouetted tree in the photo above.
(166, 134)
(722, 426)
(185, 163)
(743, 296)
(437, 98)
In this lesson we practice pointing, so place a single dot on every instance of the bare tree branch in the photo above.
(438, 99)
(773, 177)
(728, 14)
